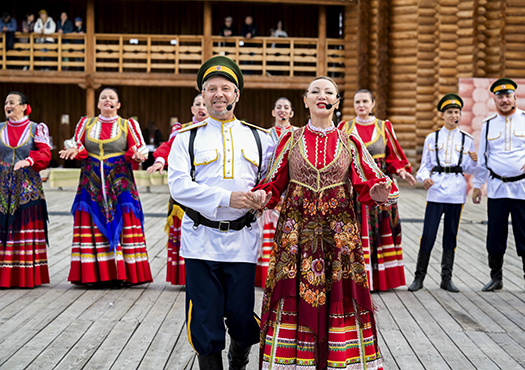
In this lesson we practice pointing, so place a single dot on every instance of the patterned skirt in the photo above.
(269, 221)
(23, 257)
(289, 345)
(92, 259)
(382, 246)
(176, 269)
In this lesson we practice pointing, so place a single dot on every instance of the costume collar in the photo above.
(319, 130)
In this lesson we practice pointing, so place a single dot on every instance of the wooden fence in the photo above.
(176, 54)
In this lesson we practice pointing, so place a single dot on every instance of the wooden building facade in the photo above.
(407, 52)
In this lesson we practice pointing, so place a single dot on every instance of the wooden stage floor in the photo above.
(61, 326)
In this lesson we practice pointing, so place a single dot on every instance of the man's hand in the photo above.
(407, 177)
(262, 198)
(473, 156)
(380, 191)
(476, 195)
(70, 153)
(138, 157)
(22, 164)
(244, 200)
(157, 166)
(523, 168)
(427, 184)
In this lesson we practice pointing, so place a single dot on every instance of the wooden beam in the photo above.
(382, 57)
(321, 42)
(207, 33)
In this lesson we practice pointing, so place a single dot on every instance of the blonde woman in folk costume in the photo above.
(282, 113)
(108, 236)
(176, 271)
(24, 151)
(382, 235)
(317, 310)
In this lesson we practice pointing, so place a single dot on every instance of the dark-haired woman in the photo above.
(25, 150)
(108, 236)
(317, 311)
(380, 225)
(282, 112)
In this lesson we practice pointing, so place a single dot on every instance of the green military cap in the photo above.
(220, 66)
(503, 86)
(450, 100)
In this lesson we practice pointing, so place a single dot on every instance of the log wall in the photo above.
(429, 45)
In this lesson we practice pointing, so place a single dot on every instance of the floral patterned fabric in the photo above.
(317, 263)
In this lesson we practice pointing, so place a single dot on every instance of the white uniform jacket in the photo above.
(448, 187)
(505, 154)
(226, 160)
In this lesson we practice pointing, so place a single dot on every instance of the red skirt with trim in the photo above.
(176, 273)
(289, 345)
(23, 260)
(270, 218)
(92, 260)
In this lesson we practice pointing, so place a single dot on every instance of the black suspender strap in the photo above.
(191, 151)
(486, 145)
(462, 147)
(437, 149)
(259, 148)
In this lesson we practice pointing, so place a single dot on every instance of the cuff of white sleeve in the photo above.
(225, 201)
(31, 161)
(160, 160)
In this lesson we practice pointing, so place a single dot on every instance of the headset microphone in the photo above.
(283, 119)
(112, 106)
(370, 114)
(10, 110)
(329, 106)
(456, 121)
(229, 107)
(513, 107)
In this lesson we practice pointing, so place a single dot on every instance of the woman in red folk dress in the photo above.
(25, 150)
(380, 226)
(282, 113)
(176, 272)
(317, 311)
(108, 236)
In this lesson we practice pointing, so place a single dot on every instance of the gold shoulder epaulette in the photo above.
(468, 134)
(187, 124)
(490, 117)
(191, 127)
(431, 132)
(257, 127)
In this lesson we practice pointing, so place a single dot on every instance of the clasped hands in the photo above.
(249, 200)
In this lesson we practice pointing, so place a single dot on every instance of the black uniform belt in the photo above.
(506, 179)
(223, 226)
(449, 169)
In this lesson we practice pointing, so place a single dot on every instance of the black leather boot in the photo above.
(496, 273)
(238, 357)
(211, 362)
(447, 263)
(421, 270)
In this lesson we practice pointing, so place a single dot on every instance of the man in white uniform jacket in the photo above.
(502, 160)
(219, 236)
(447, 154)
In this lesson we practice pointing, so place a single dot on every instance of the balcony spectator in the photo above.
(65, 26)
(45, 25)
(249, 31)
(279, 32)
(8, 26)
(79, 29)
(28, 26)
(227, 29)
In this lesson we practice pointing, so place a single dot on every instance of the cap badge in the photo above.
(218, 68)
(503, 87)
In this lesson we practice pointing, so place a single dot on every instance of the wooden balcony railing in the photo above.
(176, 54)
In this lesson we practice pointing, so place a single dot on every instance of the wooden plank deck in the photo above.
(61, 326)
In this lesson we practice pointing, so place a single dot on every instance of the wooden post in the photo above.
(90, 101)
(90, 37)
(208, 42)
(321, 42)
(4, 51)
(90, 58)
(382, 58)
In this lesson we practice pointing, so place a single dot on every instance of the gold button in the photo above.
(229, 160)
(229, 149)
(228, 172)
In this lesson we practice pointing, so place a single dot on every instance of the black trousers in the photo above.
(433, 213)
(498, 224)
(216, 291)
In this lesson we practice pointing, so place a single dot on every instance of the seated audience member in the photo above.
(8, 26)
